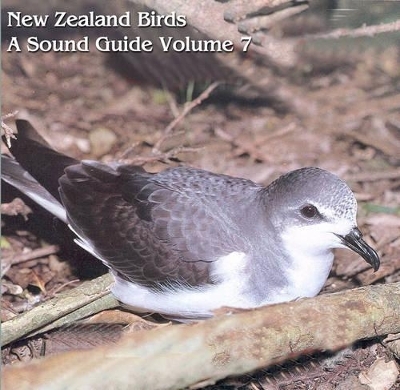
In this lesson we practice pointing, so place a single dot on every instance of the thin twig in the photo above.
(392, 174)
(188, 107)
(34, 254)
(52, 293)
(364, 31)
(242, 147)
(164, 157)
(238, 10)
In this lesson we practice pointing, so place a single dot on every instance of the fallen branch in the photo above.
(175, 357)
(34, 254)
(64, 309)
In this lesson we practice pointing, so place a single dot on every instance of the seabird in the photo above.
(184, 242)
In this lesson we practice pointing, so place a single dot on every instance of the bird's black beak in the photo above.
(354, 241)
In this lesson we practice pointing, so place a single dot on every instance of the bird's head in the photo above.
(317, 213)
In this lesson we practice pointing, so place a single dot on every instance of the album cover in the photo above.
(200, 194)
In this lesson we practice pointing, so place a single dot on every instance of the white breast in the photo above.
(310, 251)
(231, 281)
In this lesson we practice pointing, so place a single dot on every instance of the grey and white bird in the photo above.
(184, 242)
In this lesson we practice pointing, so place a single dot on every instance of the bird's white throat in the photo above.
(310, 250)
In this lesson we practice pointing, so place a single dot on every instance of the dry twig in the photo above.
(34, 254)
(364, 31)
(242, 147)
(388, 174)
(188, 107)
(67, 307)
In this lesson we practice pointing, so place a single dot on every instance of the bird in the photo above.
(185, 242)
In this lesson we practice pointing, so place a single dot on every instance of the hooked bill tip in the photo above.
(354, 241)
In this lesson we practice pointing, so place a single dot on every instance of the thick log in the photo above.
(174, 357)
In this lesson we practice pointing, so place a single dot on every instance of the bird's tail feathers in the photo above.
(37, 157)
(14, 174)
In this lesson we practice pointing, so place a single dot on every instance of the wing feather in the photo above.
(154, 229)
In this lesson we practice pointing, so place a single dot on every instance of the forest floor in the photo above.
(345, 120)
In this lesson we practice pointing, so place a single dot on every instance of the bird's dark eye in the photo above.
(309, 211)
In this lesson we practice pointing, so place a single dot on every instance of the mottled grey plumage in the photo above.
(184, 241)
(158, 229)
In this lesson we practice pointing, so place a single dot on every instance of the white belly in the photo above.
(231, 281)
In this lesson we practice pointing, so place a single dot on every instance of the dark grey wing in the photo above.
(156, 230)
(193, 210)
